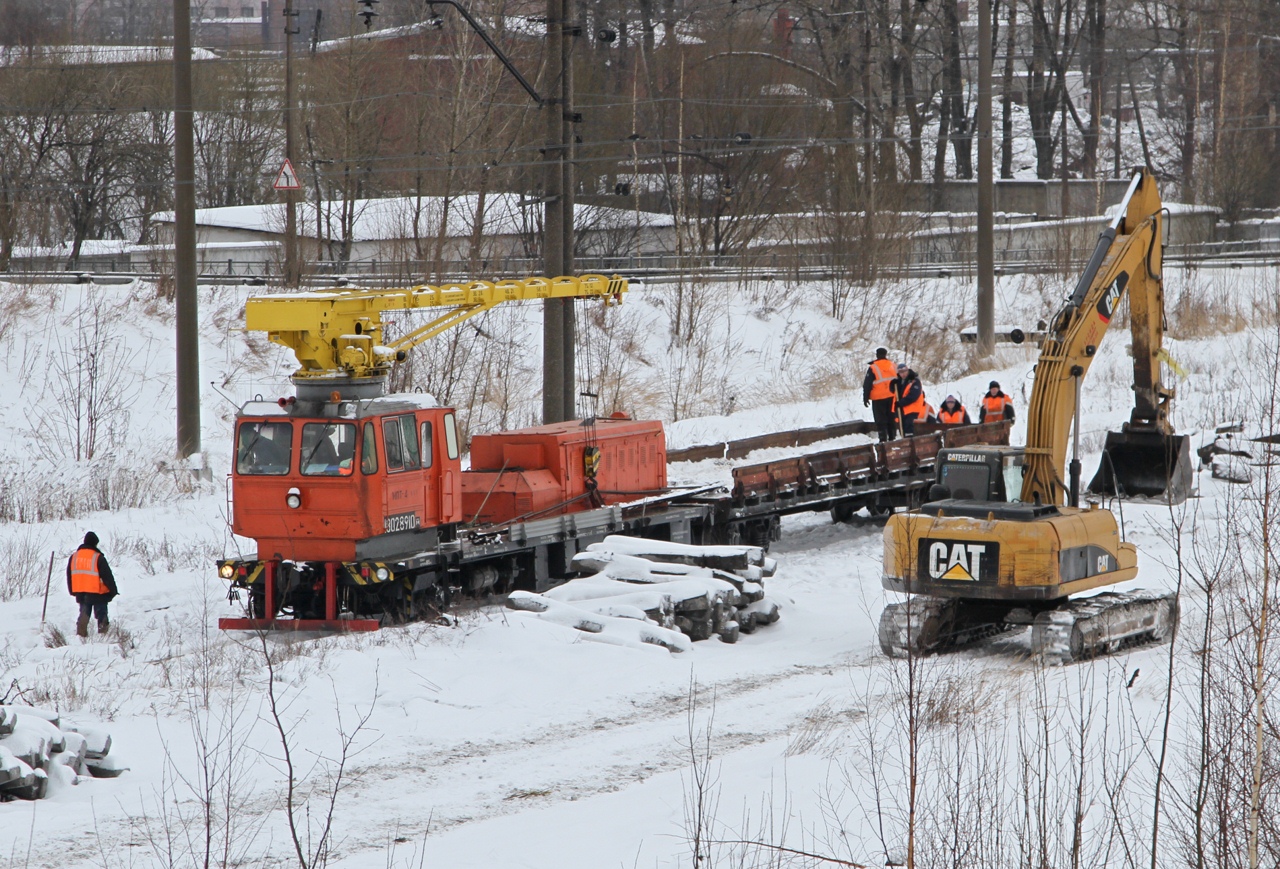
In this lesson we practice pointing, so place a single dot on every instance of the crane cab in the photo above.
(346, 479)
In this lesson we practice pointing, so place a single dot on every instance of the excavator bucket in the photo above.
(1144, 463)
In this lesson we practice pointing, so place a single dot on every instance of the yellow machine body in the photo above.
(1028, 543)
(1030, 554)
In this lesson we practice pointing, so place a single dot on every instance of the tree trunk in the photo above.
(1095, 15)
(1006, 98)
(953, 81)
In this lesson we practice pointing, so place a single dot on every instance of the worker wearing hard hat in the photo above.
(995, 405)
(877, 394)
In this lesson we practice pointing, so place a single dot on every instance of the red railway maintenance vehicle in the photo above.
(363, 514)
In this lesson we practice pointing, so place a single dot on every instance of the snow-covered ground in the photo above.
(505, 740)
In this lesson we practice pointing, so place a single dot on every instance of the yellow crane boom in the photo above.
(339, 333)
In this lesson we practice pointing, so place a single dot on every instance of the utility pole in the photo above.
(187, 336)
(558, 327)
(553, 223)
(986, 191)
(292, 265)
(568, 187)
(558, 323)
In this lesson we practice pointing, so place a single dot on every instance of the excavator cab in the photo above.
(979, 474)
(1144, 463)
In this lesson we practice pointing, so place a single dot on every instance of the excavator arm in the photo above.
(340, 334)
(1127, 260)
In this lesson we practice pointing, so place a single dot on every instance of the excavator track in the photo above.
(1099, 625)
(928, 625)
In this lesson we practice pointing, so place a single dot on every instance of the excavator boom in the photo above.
(1145, 461)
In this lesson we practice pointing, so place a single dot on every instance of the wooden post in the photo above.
(44, 610)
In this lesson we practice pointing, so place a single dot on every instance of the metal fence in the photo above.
(794, 265)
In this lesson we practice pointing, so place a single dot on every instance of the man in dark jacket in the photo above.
(877, 394)
(908, 394)
(90, 582)
(995, 405)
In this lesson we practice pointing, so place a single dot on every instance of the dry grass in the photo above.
(955, 698)
(1204, 303)
(38, 492)
(24, 564)
(821, 731)
(165, 554)
(1198, 315)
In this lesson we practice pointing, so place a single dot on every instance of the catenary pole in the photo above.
(187, 338)
(568, 183)
(553, 244)
(292, 263)
(986, 190)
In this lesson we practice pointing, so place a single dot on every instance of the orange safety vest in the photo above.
(993, 406)
(84, 573)
(925, 412)
(883, 371)
(916, 407)
(952, 417)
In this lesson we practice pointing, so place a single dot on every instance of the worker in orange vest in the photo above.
(995, 405)
(908, 394)
(877, 394)
(953, 412)
(90, 582)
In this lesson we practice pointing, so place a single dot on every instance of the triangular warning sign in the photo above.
(287, 179)
(958, 572)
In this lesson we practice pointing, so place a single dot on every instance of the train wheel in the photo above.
(842, 511)
(257, 602)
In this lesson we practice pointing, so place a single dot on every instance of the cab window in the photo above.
(328, 448)
(451, 436)
(409, 436)
(1014, 467)
(401, 443)
(426, 445)
(392, 444)
(264, 448)
(368, 451)
(967, 480)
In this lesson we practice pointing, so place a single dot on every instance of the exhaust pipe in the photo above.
(1147, 464)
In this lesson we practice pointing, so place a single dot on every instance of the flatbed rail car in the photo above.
(537, 553)
(877, 476)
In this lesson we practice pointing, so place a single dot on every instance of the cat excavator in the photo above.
(1003, 541)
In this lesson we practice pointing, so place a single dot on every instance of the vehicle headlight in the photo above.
(294, 498)
(226, 571)
(382, 573)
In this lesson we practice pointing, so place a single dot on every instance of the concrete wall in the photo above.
(1073, 238)
(1084, 198)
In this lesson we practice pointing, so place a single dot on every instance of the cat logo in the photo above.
(958, 560)
(1107, 304)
